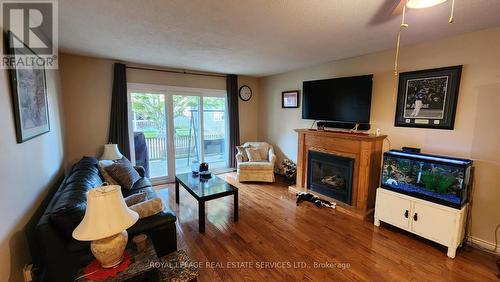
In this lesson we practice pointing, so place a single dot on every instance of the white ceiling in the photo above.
(251, 37)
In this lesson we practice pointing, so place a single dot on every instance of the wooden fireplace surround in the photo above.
(366, 150)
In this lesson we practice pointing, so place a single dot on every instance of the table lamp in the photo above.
(105, 222)
(111, 152)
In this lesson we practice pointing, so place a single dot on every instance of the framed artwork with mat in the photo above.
(428, 98)
(29, 97)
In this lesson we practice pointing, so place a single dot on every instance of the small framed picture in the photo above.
(290, 99)
(428, 98)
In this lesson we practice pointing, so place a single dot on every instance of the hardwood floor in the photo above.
(275, 240)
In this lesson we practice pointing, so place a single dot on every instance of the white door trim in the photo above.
(168, 91)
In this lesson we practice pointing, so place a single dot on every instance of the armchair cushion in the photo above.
(255, 154)
(263, 146)
(242, 152)
(256, 166)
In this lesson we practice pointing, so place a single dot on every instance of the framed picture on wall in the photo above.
(29, 99)
(290, 99)
(428, 98)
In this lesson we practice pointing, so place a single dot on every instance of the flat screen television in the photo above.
(346, 99)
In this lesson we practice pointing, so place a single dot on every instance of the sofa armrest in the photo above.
(272, 156)
(140, 170)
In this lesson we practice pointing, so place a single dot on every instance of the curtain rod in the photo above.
(175, 71)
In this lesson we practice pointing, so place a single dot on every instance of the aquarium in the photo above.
(443, 180)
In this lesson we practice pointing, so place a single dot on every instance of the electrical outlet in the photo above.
(28, 272)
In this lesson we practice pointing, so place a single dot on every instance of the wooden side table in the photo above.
(143, 266)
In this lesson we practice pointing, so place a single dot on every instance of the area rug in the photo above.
(178, 267)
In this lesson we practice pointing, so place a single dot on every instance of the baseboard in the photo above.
(483, 245)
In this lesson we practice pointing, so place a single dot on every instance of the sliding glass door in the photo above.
(187, 133)
(149, 133)
(214, 132)
(176, 127)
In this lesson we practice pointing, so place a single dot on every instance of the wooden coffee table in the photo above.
(205, 190)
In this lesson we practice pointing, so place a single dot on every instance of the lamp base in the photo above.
(109, 251)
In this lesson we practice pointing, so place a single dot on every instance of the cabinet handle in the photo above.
(406, 214)
(415, 216)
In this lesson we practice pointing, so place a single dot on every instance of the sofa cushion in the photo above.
(144, 224)
(150, 193)
(256, 166)
(135, 199)
(68, 211)
(105, 175)
(84, 172)
(148, 208)
(123, 172)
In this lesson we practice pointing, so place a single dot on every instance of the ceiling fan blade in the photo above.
(387, 11)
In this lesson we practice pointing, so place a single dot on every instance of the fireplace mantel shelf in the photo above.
(342, 134)
(365, 149)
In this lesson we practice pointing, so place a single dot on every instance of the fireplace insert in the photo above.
(330, 175)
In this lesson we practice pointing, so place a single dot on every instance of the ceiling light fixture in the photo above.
(421, 4)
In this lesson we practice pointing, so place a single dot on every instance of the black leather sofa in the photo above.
(60, 255)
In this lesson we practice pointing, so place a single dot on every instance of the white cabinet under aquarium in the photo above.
(432, 221)
(426, 195)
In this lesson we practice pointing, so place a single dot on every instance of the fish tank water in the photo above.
(443, 180)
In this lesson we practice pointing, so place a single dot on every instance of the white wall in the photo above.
(477, 125)
(27, 170)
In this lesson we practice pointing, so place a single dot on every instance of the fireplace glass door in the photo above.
(330, 175)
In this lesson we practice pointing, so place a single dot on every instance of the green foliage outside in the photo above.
(437, 182)
(150, 133)
(152, 108)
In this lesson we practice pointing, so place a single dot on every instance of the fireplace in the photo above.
(330, 175)
(364, 150)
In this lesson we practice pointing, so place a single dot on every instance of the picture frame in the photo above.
(29, 98)
(290, 99)
(428, 98)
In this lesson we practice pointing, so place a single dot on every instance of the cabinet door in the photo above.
(433, 223)
(393, 209)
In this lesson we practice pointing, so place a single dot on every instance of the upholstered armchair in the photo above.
(257, 167)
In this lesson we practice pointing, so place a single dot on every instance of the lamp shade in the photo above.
(111, 152)
(106, 214)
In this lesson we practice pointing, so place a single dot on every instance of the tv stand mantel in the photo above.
(342, 132)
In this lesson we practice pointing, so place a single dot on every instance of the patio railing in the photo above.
(157, 146)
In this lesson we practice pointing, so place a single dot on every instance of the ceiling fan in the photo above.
(392, 8)
(412, 4)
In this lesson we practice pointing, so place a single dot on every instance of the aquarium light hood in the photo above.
(430, 157)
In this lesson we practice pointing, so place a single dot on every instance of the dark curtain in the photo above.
(234, 124)
(118, 123)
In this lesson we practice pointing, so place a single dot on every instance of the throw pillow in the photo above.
(105, 175)
(148, 208)
(254, 154)
(241, 150)
(135, 199)
(263, 152)
(124, 173)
